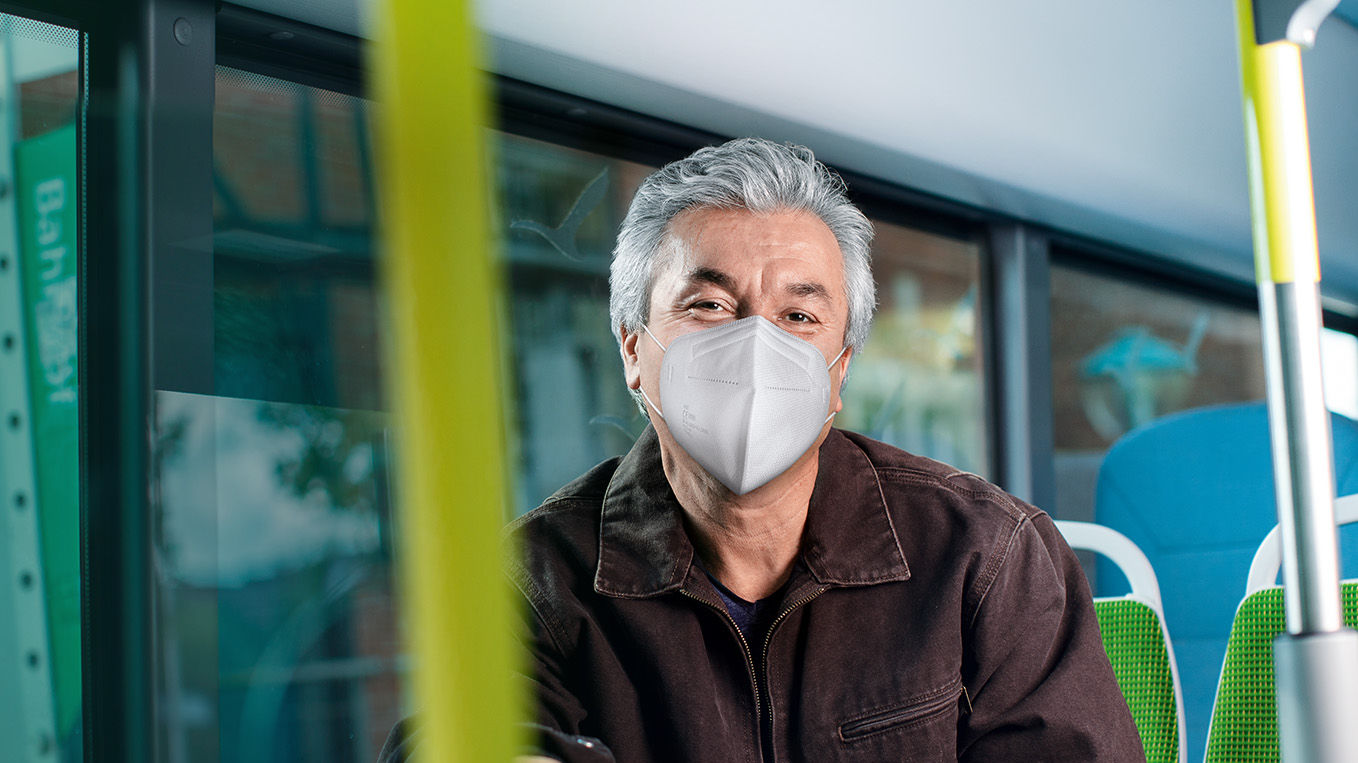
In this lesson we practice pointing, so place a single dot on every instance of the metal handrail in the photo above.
(1316, 661)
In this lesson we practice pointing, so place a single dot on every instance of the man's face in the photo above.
(730, 264)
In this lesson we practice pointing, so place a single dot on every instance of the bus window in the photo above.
(919, 382)
(277, 623)
(559, 211)
(40, 647)
(1124, 354)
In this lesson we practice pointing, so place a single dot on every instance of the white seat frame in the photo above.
(1145, 589)
(1269, 558)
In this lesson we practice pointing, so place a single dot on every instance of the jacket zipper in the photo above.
(745, 647)
(901, 716)
(764, 661)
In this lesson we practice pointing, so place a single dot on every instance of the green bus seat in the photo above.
(1137, 643)
(1245, 716)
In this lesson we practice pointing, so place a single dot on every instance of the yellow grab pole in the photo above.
(1287, 263)
(1281, 197)
(442, 293)
(1316, 660)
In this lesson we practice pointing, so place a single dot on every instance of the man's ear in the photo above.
(631, 364)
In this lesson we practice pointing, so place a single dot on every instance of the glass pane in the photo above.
(295, 307)
(40, 676)
(919, 382)
(1124, 354)
(277, 620)
(277, 616)
(571, 403)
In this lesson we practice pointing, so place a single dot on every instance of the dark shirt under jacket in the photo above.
(931, 617)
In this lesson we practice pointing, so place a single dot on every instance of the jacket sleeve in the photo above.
(559, 712)
(1038, 680)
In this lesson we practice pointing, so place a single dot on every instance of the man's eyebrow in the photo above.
(723, 280)
(808, 289)
(712, 276)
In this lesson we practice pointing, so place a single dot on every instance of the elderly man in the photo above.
(750, 584)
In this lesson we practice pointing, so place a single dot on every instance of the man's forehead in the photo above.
(698, 223)
(717, 239)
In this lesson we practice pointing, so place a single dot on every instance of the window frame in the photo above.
(146, 140)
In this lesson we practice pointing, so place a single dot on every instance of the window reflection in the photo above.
(277, 622)
(276, 604)
(560, 210)
(918, 384)
(40, 638)
(1124, 354)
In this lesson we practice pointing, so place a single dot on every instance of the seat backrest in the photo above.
(1137, 643)
(1195, 491)
(1269, 557)
(1244, 717)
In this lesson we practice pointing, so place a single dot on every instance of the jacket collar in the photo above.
(644, 550)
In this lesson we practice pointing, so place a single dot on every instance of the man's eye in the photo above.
(798, 318)
(707, 305)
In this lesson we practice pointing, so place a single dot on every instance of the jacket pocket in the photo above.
(915, 711)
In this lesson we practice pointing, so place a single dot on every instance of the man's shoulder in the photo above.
(949, 519)
(560, 538)
(941, 512)
(581, 498)
(912, 482)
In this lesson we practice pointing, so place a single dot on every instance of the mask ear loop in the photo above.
(645, 328)
(827, 368)
(837, 357)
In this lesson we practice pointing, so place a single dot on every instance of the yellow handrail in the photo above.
(442, 291)
(1282, 201)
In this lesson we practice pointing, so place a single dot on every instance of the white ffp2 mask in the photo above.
(745, 399)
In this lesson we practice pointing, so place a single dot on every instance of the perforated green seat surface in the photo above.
(1136, 647)
(1245, 717)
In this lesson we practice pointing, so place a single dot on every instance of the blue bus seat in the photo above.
(1195, 492)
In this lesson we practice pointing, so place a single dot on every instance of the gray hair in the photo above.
(747, 173)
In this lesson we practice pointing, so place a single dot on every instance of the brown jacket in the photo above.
(931, 617)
